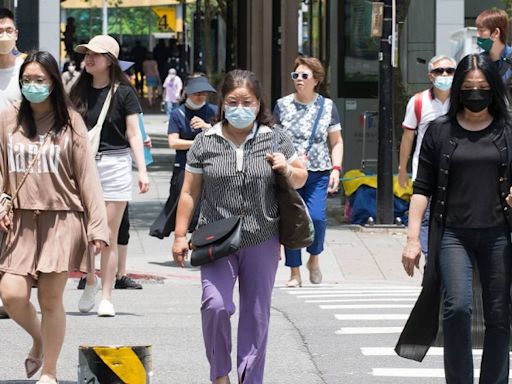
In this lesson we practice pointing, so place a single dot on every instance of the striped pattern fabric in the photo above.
(239, 180)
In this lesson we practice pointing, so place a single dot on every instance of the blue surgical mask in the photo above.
(443, 83)
(240, 117)
(35, 93)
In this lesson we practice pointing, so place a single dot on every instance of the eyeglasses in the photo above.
(303, 75)
(440, 71)
(245, 103)
(34, 81)
(8, 30)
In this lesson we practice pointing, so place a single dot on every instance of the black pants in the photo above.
(166, 220)
(124, 229)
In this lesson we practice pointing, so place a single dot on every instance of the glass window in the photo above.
(358, 60)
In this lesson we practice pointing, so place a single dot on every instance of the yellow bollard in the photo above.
(114, 364)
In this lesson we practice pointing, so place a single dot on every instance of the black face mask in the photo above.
(476, 100)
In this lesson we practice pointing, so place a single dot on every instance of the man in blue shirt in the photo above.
(492, 33)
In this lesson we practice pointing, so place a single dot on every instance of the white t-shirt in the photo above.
(9, 84)
(431, 108)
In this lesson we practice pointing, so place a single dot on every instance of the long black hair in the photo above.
(241, 78)
(58, 98)
(498, 107)
(80, 89)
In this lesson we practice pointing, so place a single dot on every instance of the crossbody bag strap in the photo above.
(244, 179)
(30, 166)
(315, 124)
(106, 106)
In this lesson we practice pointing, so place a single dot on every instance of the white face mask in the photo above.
(71, 68)
(189, 103)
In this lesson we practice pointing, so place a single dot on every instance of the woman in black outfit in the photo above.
(464, 166)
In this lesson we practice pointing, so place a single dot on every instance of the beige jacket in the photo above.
(64, 178)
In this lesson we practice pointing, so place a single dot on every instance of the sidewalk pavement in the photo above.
(352, 253)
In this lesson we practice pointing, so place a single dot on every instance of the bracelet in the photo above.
(336, 168)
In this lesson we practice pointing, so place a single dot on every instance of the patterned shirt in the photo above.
(297, 119)
(239, 180)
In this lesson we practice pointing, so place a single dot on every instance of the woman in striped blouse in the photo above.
(235, 155)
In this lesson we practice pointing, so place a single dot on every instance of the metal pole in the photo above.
(385, 138)
(198, 38)
(104, 25)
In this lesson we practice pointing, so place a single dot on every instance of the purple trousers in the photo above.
(255, 267)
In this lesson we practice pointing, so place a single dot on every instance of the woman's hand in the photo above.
(5, 222)
(279, 162)
(147, 143)
(180, 250)
(334, 181)
(198, 123)
(411, 256)
(143, 182)
(97, 246)
(508, 199)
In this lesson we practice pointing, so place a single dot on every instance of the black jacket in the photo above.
(437, 148)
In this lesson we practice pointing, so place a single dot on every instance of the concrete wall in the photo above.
(49, 27)
(449, 18)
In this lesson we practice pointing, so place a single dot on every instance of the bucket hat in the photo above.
(100, 44)
(198, 84)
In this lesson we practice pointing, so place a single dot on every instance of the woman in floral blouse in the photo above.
(313, 123)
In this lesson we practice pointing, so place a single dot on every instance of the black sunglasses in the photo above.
(303, 75)
(440, 71)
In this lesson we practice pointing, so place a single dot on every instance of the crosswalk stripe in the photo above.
(371, 316)
(368, 330)
(412, 294)
(310, 292)
(350, 287)
(413, 372)
(385, 351)
(392, 300)
(364, 306)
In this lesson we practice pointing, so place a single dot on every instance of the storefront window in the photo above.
(358, 60)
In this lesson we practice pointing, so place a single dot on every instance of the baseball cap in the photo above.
(100, 44)
(198, 84)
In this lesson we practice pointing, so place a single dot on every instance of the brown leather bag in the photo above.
(296, 228)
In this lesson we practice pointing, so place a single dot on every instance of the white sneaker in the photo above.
(88, 299)
(106, 309)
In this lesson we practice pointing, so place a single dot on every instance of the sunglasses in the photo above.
(440, 71)
(303, 75)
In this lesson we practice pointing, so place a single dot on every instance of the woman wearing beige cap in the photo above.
(120, 136)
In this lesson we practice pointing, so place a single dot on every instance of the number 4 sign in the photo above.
(166, 18)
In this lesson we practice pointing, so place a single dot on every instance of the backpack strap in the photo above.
(418, 104)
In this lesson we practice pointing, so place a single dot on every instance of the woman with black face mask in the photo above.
(464, 166)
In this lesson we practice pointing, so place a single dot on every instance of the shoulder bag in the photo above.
(221, 238)
(94, 134)
(296, 228)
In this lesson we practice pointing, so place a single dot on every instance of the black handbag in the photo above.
(221, 238)
(215, 240)
(296, 228)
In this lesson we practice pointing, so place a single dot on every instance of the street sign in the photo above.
(166, 18)
(377, 18)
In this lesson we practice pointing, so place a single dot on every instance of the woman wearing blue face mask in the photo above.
(313, 124)
(58, 207)
(185, 123)
(230, 168)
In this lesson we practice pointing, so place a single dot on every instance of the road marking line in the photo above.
(371, 316)
(385, 351)
(358, 295)
(368, 330)
(412, 299)
(413, 372)
(310, 292)
(364, 306)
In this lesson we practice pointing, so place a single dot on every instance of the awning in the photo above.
(124, 3)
